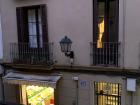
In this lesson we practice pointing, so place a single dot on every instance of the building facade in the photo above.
(105, 41)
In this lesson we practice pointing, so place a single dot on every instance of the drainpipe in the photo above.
(133, 101)
(77, 89)
(123, 46)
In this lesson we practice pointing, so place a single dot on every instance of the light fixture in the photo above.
(65, 44)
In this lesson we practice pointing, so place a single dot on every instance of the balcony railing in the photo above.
(23, 53)
(105, 54)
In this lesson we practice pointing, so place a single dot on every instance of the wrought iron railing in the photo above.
(107, 93)
(23, 53)
(105, 54)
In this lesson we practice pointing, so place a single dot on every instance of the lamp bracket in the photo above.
(70, 54)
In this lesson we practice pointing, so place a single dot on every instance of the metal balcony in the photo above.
(23, 53)
(107, 54)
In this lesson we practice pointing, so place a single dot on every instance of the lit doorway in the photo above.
(107, 93)
(37, 95)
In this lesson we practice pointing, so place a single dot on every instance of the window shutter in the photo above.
(22, 25)
(44, 23)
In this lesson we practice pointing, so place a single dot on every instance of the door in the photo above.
(37, 95)
(107, 93)
(32, 34)
(105, 32)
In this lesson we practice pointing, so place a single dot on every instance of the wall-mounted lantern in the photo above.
(65, 44)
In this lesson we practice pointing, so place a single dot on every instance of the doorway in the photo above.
(107, 93)
(37, 95)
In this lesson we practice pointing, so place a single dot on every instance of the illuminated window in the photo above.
(36, 95)
(105, 22)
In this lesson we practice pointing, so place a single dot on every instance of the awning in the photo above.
(30, 79)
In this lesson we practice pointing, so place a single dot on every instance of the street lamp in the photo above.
(65, 44)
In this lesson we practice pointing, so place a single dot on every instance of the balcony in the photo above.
(107, 54)
(23, 53)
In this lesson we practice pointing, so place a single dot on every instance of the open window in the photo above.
(32, 25)
(105, 32)
(33, 46)
(105, 21)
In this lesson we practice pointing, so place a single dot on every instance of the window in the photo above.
(32, 28)
(32, 47)
(105, 21)
(105, 33)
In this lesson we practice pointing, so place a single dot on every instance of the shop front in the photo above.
(34, 89)
(37, 95)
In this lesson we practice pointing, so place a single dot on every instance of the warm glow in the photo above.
(40, 95)
(100, 34)
(108, 93)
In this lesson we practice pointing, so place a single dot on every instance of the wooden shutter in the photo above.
(22, 25)
(44, 23)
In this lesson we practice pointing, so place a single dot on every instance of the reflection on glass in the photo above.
(31, 15)
(35, 28)
(33, 41)
(32, 28)
(112, 21)
(40, 28)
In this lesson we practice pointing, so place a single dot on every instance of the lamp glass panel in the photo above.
(69, 47)
(65, 47)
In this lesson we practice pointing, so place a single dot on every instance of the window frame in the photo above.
(22, 23)
(95, 20)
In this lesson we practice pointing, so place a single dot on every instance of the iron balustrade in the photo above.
(107, 54)
(23, 53)
(107, 93)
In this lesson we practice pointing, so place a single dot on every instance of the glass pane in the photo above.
(35, 34)
(33, 41)
(31, 15)
(41, 42)
(39, 15)
(112, 21)
(40, 28)
(40, 35)
(32, 29)
(101, 24)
